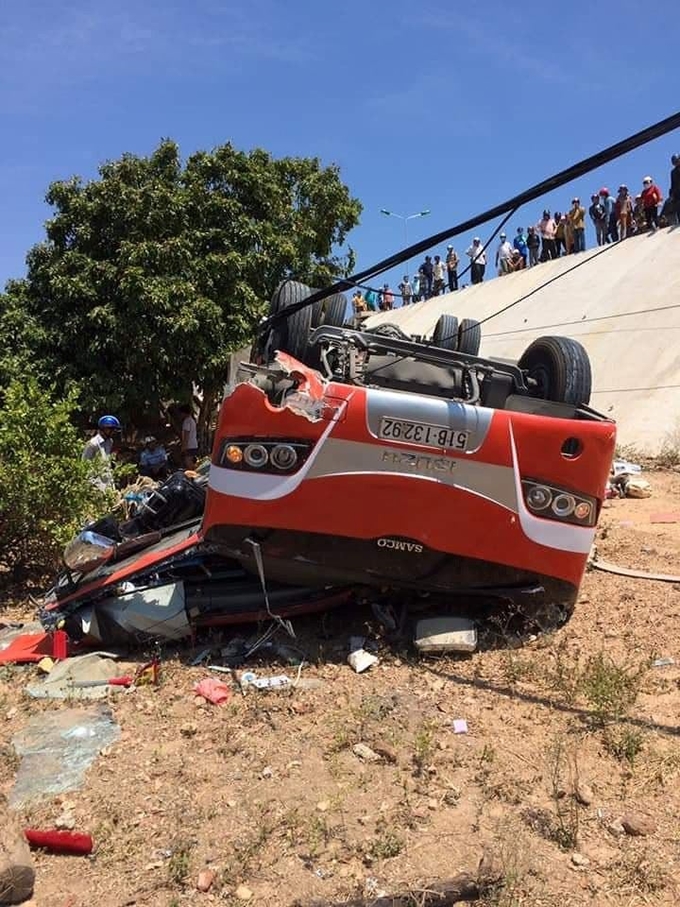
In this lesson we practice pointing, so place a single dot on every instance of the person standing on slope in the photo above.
(651, 199)
(477, 255)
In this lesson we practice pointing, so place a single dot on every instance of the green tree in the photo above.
(45, 492)
(153, 273)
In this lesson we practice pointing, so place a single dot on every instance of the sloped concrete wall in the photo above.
(608, 303)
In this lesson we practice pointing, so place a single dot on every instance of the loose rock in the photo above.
(17, 875)
(243, 893)
(579, 860)
(637, 825)
(206, 878)
(584, 794)
(365, 752)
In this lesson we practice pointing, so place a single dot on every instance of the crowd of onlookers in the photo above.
(614, 218)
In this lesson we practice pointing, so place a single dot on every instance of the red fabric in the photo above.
(65, 842)
(651, 196)
(215, 691)
(30, 647)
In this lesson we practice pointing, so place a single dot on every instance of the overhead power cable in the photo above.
(553, 182)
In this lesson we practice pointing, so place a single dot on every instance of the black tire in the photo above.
(561, 368)
(335, 310)
(469, 336)
(317, 312)
(291, 335)
(445, 333)
(389, 330)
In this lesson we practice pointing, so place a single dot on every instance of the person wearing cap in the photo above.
(533, 245)
(577, 219)
(547, 228)
(651, 199)
(520, 244)
(624, 212)
(98, 450)
(153, 460)
(452, 268)
(477, 255)
(599, 218)
(503, 255)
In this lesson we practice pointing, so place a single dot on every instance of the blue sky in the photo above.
(448, 106)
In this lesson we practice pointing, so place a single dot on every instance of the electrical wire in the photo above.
(584, 320)
(547, 185)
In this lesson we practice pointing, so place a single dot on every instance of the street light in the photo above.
(406, 219)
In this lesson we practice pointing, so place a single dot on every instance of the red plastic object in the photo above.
(29, 647)
(71, 843)
(215, 691)
(59, 645)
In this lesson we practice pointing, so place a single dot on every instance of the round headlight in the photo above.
(539, 497)
(283, 456)
(233, 453)
(582, 510)
(563, 505)
(255, 455)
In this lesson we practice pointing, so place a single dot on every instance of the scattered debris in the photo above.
(56, 749)
(18, 647)
(638, 825)
(250, 679)
(636, 487)
(17, 875)
(625, 468)
(597, 564)
(60, 842)
(663, 662)
(460, 726)
(664, 517)
(215, 691)
(82, 677)
(359, 659)
(446, 634)
(466, 886)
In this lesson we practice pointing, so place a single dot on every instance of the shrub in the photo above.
(45, 495)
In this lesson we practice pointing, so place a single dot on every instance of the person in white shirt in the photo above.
(477, 254)
(98, 450)
(503, 255)
(189, 438)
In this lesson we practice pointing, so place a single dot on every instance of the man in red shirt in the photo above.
(651, 199)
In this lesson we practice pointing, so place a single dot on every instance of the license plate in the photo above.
(422, 433)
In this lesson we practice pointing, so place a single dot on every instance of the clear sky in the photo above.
(448, 106)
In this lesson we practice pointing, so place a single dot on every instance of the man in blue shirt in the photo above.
(520, 243)
(153, 460)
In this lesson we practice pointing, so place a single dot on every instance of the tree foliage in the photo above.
(152, 274)
(45, 492)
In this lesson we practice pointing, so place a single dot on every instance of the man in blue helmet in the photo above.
(98, 449)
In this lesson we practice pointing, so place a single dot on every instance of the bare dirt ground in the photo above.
(566, 735)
